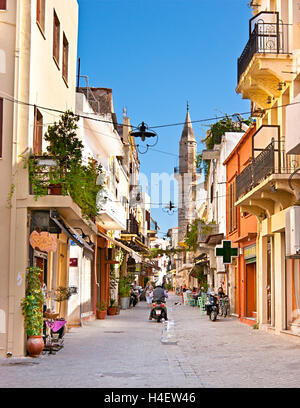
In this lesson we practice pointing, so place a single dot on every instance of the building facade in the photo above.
(268, 75)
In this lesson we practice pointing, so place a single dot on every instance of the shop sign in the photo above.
(250, 252)
(74, 262)
(227, 252)
(43, 241)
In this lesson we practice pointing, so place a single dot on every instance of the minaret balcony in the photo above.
(263, 73)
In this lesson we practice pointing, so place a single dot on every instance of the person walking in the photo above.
(149, 293)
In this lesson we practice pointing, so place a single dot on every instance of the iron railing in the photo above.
(266, 38)
(260, 168)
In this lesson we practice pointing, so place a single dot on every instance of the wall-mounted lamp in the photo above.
(273, 189)
(269, 100)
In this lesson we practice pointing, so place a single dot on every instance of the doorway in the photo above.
(98, 275)
(251, 289)
(269, 293)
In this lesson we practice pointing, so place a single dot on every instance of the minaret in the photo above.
(187, 177)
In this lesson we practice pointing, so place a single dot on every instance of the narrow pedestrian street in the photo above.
(126, 351)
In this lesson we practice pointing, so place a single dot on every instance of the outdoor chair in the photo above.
(201, 303)
(191, 300)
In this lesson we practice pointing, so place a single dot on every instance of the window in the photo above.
(40, 14)
(1, 125)
(65, 58)
(56, 38)
(3, 5)
(232, 210)
(37, 133)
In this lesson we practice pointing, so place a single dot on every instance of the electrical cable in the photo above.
(216, 118)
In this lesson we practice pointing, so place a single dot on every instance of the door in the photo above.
(251, 290)
(98, 275)
(236, 300)
(269, 296)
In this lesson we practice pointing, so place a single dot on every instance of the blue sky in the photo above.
(156, 55)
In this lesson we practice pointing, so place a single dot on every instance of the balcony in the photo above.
(264, 181)
(112, 214)
(208, 234)
(262, 72)
(177, 171)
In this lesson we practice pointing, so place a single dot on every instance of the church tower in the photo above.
(187, 178)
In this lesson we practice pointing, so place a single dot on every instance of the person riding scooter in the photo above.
(159, 296)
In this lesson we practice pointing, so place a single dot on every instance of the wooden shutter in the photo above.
(3, 5)
(56, 37)
(1, 125)
(65, 58)
(40, 13)
(37, 133)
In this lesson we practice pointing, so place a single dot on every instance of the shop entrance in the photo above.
(251, 289)
(269, 295)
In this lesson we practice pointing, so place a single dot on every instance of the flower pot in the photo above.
(111, 311)
(101, 314)
(55, 189)
(125, 302)
(35, 345)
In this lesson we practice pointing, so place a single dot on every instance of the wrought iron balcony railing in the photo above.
(260, 168)
(266, 38)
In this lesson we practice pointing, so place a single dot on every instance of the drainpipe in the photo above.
(13, 212)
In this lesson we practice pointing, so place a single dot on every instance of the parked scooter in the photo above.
(158, 311)
(212, 306)
(133, 298)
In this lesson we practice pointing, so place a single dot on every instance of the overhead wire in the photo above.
(215, 118)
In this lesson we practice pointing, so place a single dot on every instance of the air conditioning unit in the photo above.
(292, 231)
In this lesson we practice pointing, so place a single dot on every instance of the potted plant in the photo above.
(124, 292)
(101, 310)
(111, 311)
(62, 294)
(32, 310)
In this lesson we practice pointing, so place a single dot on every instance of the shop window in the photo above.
(3, 5)
(38, 133)
(65, 70)
(56, 38)
(40, 14)
(1, 125)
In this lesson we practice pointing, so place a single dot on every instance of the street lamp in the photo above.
(170, 209)
(144, 133)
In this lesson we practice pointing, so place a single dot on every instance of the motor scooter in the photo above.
(133, 298)
(212, 306)
(158, 311)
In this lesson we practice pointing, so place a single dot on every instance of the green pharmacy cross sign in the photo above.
(227, 252)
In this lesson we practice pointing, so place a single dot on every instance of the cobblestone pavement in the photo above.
(126, 351)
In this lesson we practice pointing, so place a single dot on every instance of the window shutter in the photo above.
(1, 125)
(3, 5)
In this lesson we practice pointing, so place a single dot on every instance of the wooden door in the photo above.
(250, 289)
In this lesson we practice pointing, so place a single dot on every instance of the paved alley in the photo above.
(126, 351)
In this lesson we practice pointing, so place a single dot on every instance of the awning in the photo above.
(132, 253)
(71, 233)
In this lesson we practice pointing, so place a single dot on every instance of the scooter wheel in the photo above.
(213, 316)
